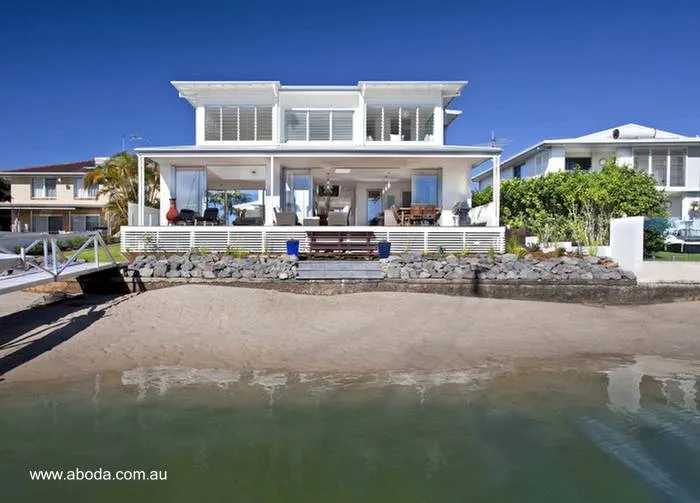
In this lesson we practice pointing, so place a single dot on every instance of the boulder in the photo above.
(283, 275)
(187, 266)
(196, 273)
(160, 270)
(172, 274)
(223, 273)
(146, 272)
(424, 274)
(208, 274)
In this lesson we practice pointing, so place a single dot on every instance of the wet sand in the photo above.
(200, 326)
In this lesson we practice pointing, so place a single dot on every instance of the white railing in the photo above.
(151, 215)
(274, 239)
(55, 261)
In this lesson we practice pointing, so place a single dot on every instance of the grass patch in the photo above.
(89, 254)
(677, 256)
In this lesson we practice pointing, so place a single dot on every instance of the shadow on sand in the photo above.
(36, 330)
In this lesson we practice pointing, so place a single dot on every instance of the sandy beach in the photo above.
(245, 329)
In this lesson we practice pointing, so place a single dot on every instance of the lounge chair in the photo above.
(187, 217)
(338, 218)
(210, 217)
(285, 217)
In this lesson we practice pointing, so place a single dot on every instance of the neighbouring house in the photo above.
(673, 159)
(370, 156)
(52, 199)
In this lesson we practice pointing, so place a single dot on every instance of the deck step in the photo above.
(339, 269)
(338, 265)
(340, 275)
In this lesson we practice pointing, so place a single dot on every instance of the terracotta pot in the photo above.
(172, 215)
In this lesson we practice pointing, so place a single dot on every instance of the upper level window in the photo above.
(44, 188)
(400, 123)
(234, 123)
(318, 125)
(82, 192)
(667, 166)
(574, 163)
(518, 171)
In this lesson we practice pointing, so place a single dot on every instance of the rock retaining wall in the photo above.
(411, 266)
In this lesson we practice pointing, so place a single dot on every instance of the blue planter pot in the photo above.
(384, 249)
(293, 247)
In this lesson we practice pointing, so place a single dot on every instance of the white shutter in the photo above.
(342, 125)
(264, 124)
(229, 123)
(319, 125)
(373, 124)
(295, 125)
(425, 123)
(247, 123)
(212, 124)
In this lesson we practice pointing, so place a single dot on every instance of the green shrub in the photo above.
(236, 252)
(654, 234)
(560, 252)
(480, 197)
(579, 205)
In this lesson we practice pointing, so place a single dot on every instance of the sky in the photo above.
(76, 77)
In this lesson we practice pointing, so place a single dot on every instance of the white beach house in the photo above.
(365, 157)
(673, 160)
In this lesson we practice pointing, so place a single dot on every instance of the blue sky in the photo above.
(75, 76)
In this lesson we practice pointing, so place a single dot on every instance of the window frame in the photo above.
(43, 187)
(308, 112)
(78, 186)
(669, 153)
(415, 123)
(268, 110)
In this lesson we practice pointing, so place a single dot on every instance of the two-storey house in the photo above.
(360, 155)
(672, 159)
(52, 198)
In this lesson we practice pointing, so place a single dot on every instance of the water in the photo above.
(585, 430)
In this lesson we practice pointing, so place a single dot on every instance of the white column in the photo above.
(272, 191)
(668, 168)
(141, 189)
(167, 186)
(497, 188)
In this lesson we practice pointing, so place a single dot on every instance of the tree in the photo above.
(4, 190)
(118, 178)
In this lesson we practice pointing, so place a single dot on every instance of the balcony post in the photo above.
(497, 189)
(141, 189)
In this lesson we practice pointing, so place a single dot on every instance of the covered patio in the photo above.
(256, 200)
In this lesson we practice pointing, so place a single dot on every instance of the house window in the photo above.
(517, 171)
(677, 160)
(318, 125)
(658, 165)
(667, 166)
(641, 160)
(400, 123)
(47, 223)
(238, 123)
(541, 162)
(425, 188)
(574, 163)
(82, 192)
(44, 188)
(79, 223)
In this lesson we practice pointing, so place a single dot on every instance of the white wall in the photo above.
(455, 188)
(627, 242)
(557, 160)
(692, 173)
(676, 208)
(167, 186)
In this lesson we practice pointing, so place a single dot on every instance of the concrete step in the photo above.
(369, 275)
(338, 265)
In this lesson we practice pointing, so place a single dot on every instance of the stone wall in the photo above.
(212, 266)
(504, 267)
(411, 266)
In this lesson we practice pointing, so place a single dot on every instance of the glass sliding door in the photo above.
(299, 193)
(425, 187)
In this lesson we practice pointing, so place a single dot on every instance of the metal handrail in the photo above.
(94, 239)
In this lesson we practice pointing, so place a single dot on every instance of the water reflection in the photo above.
(601, 429)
